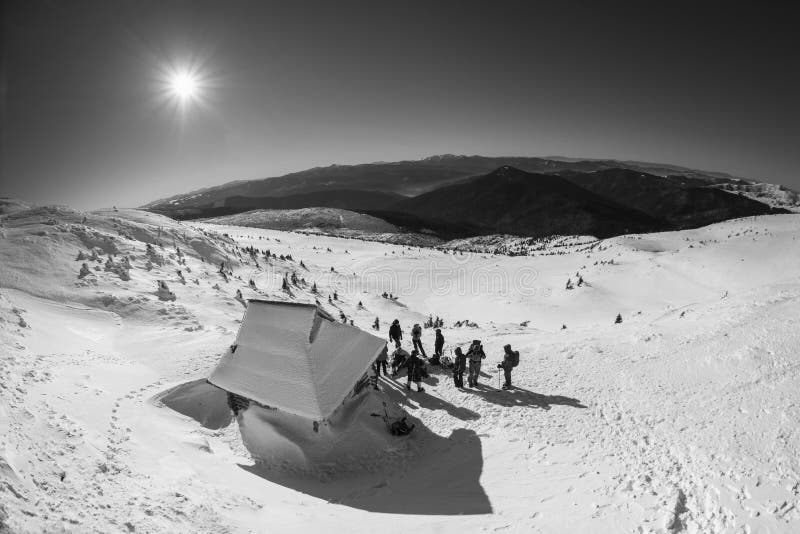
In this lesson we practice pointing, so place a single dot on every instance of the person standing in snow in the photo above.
(416, 339)
(459, 367)
(475, 355)
(415, 367)
(510, 360)
(438, 345)
(396, 333)
(383, 357)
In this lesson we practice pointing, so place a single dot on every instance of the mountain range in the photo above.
(458, 196)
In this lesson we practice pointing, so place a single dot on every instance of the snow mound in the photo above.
(344, 444)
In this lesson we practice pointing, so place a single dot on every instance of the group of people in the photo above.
(469, 362)
(415, 366)
(473, 360)
(396, 336)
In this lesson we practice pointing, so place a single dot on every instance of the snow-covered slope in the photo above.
(327, 221)
(512, 245)
(774, 195)
(684, 417)
(307, 218)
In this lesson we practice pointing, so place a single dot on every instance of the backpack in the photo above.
(515, 358)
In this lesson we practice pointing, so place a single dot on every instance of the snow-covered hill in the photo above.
(684, 417)
(307, 218)
(327, 221)
(776, 196)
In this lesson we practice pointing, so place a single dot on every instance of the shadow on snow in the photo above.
(522, 397)
(443, 478)
(437, 476)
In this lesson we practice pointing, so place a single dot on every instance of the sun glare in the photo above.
(184, 85)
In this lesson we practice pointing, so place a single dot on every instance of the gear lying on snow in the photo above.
(397, 426)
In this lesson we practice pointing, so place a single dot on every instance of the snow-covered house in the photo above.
(296, 358)
(298, 380)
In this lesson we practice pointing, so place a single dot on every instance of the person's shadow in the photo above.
(522, 397)
(395, 390)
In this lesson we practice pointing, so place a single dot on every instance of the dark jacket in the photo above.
(415, 367)
(439, 343)
(395, 332)
(460, 363)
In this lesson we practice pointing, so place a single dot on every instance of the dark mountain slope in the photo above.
(680, 203)
(347, 199)
(512, 201)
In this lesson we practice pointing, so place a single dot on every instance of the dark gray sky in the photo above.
(292, 85)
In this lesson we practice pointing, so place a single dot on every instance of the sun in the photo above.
(184, 85)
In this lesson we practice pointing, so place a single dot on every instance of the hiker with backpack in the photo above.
(438, 345)
(510, 360)
(416, 339)
(395, 333)
(475, 355)
(416, 369)
(459, 367)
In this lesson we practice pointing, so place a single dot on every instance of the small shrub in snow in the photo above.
(164, 293)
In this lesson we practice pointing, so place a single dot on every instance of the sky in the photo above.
(87, 118)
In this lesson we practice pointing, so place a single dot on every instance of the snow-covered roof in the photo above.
(296, 358)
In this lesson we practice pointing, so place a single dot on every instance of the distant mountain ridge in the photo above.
(407, 178)
(462, 196)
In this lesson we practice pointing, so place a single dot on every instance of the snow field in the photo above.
(684, 418)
